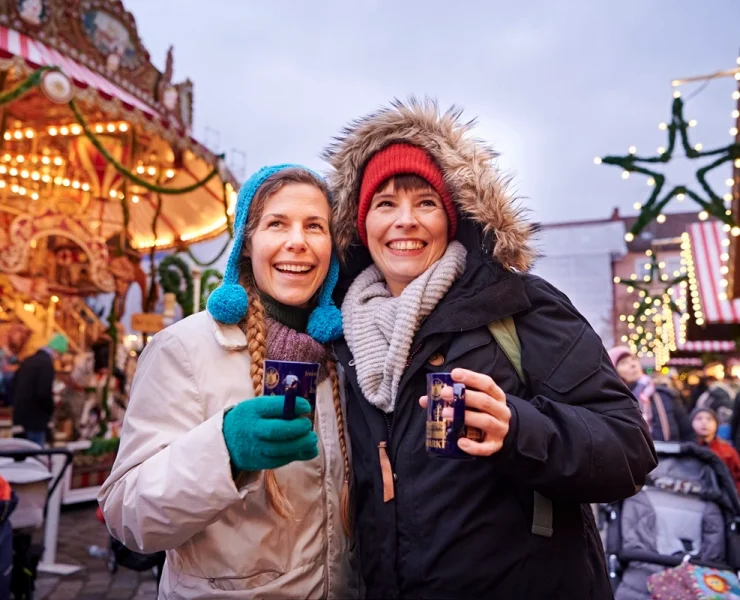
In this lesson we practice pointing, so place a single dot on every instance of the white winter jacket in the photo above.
(172, 489)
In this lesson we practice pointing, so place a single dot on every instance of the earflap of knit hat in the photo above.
(325, 321)
(228, 303)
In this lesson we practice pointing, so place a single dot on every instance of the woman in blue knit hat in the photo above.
(245, 503)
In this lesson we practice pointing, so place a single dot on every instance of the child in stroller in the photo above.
(688, 511)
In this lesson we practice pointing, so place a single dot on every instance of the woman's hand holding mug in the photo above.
(490, 413)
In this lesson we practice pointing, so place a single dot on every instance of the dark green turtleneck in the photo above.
(294, 317)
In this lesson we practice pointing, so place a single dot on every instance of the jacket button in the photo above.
(436, 360)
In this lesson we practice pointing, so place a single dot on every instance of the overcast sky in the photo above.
(553, 84)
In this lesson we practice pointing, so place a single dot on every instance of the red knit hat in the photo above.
(402, 159)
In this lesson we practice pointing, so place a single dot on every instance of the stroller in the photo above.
(27, 468)
(118, 555)
(689, 510)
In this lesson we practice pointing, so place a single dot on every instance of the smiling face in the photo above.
(407, 229)
(289, 243)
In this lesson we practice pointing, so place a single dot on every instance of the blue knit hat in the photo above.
(228, 303)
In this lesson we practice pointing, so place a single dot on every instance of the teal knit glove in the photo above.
(258, 438)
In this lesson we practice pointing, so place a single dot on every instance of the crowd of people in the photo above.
(707, 414)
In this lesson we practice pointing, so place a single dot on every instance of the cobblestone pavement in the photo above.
(78, 530)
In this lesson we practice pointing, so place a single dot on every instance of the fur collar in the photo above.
(468, 165)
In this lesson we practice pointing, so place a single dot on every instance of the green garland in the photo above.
(211, 262)
(132, 176)
(25, 86)
(678, 127)
(171, 282)
(206, 286)
(100, 446)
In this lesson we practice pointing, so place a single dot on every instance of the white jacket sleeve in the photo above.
(172, 476)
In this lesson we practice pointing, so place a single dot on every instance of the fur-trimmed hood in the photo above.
(468, 165)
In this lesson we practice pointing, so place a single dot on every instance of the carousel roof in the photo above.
(130, 105)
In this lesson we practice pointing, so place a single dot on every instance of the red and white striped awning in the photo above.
(39, 55)
(706, 346)
(699, 345)
(709, 248)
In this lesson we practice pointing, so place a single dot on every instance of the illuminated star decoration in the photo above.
(650, 302)
(653, 208)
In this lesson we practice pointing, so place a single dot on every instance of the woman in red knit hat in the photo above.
(436, 254)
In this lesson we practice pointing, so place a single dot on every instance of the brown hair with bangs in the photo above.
(406, 182)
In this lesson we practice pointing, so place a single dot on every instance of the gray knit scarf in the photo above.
(379, 328)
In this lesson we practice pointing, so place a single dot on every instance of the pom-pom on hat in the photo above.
(228, 303)
(402, 159)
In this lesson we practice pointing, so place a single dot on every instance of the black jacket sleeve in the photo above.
(580, 436)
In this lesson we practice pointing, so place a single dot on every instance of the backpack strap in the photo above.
(504, 332)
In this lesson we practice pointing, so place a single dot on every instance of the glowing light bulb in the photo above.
(76, 129)
(733, 130)
(736, 95)
(45, 160)
(123, 127)
(597, 160)
(625, 175)
(58, 161)
(112, 194)
(35, 176)
(20, 158)
(730, 182)
(735, 231)
(663, 126)
(152, 171)
(698, 147)
(703, 215)
(85, 187)
(24, 174)
(693, 123)
(140, 170)
(633, 150)
(135, 199)
(53, 131)
(7, 135)
(651, 181)
(661, 150)
(18, 135)
(46, 178)
(99, 129)
(66, 182)
(660, 218)
(13, 171)
(637, 206)
(170, 173)
(727, 197)
(34, 196)
(64, 130)
(76, 185)
(676, 94)
(111, 127)
(628, 237)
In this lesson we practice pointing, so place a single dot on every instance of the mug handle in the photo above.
(458, 417)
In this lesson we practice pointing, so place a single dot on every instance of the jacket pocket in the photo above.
(581, 360)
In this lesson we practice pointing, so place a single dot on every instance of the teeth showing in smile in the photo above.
(406, 245)
(294, 268)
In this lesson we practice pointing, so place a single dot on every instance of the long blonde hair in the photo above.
(256, 331)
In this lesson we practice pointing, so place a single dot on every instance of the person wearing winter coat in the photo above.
(245, 503)
(705, 424)
(661, 407)
(435, 251)
(720, 397)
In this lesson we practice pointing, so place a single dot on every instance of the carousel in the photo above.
(99, 173)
